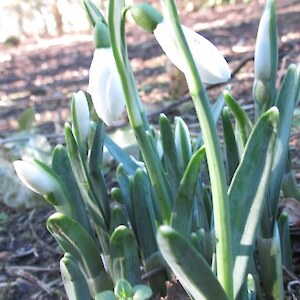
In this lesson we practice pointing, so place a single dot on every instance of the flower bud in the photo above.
(101, 36)
(210, 63)
(182, 142)
(105, 86)
(264, 43)
(35, 177)
(146, 16)
(265, 58)
(81, 115)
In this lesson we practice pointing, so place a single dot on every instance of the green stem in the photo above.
(154, 167)
(214, 156)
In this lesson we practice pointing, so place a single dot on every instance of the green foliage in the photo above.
(169, 214)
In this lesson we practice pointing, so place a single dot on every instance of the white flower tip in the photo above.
(34, 177)
(82, 115)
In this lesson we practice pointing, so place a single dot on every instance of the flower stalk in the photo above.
(213, 153)
(155, 170)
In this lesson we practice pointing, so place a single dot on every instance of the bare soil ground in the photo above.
(44, 74)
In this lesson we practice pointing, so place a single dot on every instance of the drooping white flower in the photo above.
(35, 177)
(80, 111)
(105, 86)
(211, 64)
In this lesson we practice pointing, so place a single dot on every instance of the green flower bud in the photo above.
(261, 92)
(146, 16)
(101, 36)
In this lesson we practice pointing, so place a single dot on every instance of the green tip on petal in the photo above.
(146, 16)
(101, 36)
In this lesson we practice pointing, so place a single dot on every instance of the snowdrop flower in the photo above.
(265, 59)
(35, 177)
(263, 48)
(105, 85)
(81, 115)
(211, 64)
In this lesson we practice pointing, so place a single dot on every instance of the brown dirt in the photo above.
(43, 75)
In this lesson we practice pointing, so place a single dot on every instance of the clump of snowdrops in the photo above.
(162, 220)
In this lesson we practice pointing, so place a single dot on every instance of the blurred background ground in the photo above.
(41, 68)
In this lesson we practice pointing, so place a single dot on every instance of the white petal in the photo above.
(262, 59)
(34, 177)
(105, 86)
(166, 40)
(82, 115)
(115, 98)
(211, 64)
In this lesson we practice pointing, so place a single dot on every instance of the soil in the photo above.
(43, 74)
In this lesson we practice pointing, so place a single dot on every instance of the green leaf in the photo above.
(231, 149)
(285, 241)
(74, 239)
(190, 268)
(74, 282)
(61, 165)
(182, 209)
(170, 153)
(243, 122)
(285, 102)
(125, 256)
(26, 119)
(271, 266)
(106, 295)
(141, 292)
(117, 218)
(123, 289)
(144, 214)
(120, 155)
(247, 192)
(145, 223)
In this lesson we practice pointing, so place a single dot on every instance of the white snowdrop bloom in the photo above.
(211, 64)
(105, 86)
(34, 177)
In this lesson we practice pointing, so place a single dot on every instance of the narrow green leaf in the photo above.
(145, 222)
(120, 155)
(285, 103)
(124, 183)
(125, 256)
(190, 268)
(244, 124)
(61, 165)
(106, 295)
(170, 153)
(74, 282)
(144, 214)
(285, 241)
(74, 239)
(271, 266)
(247, 192)
(182, 209)
(117, 218)
(231, 149)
